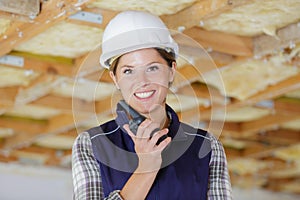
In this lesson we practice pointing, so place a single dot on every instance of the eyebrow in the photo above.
(130, 66)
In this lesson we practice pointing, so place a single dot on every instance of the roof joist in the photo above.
(199, 10)
(52, 12)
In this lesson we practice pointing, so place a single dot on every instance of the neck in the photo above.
(159, 115)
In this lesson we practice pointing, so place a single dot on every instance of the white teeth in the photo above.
(144, 94)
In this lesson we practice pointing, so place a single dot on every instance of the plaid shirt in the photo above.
(87, 178)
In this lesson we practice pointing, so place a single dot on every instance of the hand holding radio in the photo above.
(135, 119)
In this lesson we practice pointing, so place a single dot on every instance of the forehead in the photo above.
(141, 57)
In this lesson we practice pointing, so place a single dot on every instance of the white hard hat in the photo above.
(133, 30)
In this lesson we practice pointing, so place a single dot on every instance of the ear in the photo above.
(113, 77)
(172, 72)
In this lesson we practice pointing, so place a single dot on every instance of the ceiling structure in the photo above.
(238, 77)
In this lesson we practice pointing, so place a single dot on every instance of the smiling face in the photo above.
(143, 78)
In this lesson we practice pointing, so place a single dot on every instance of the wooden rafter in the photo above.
(222, 42)
(199, 10)
(270, 122)
(268, 94)
(46, 64)
(286, 37)
(53, 12)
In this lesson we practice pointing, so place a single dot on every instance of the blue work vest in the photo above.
(185, 167)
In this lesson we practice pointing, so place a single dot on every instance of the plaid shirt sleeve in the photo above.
(219, 180)
(86, 174)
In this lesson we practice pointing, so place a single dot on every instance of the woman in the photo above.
(163, 158)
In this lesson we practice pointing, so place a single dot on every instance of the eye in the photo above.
(127, 71)
(152, 68)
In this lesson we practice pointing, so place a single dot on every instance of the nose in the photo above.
(142, 78)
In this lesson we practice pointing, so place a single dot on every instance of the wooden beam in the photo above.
(222, 42)
(56, 125)
(88, 67)
(101, 75)
(185, 75)
(53, 12)
(51, 65)
(14, 18)
(269, 122)
(231, 129)
(24, 7)
(23, 125)
(63, 103)
(61, 123)
(271, 92)
(69, 105)
(25, 129)
(201, 90)
(286, 37)
(8, 94)
(287, 104)
(198, 10)
(278, 137)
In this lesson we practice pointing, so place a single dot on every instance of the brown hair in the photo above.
(169, 57)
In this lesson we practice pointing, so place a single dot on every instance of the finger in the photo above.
(145, 129)
(157, 135)
(163, 144)
(130, 133)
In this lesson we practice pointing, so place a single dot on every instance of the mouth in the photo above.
(144, 95)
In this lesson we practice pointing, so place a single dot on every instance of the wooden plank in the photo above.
(13, 122)
(286, 37)
(24, 129)
(63, 103)
(287, 104)
(88, 67)
(28, 130)
(22, 7)
(199, 10)
(52, 12)
(101, 75)
(278, 137)
(200, 90)
(61, 123)
(38, 88)
(270, 122)
(14, 19)
(8, 95)
(271, 92)
(56, 125)
(222, 42)
(185, 75)
(70, 105)
(51, 65)
(231, 129)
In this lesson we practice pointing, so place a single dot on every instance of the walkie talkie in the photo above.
(136, 119)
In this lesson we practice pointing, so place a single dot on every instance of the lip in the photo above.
(144, 94)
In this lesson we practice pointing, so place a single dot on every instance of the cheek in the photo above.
(125, 88)
(161, 80)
